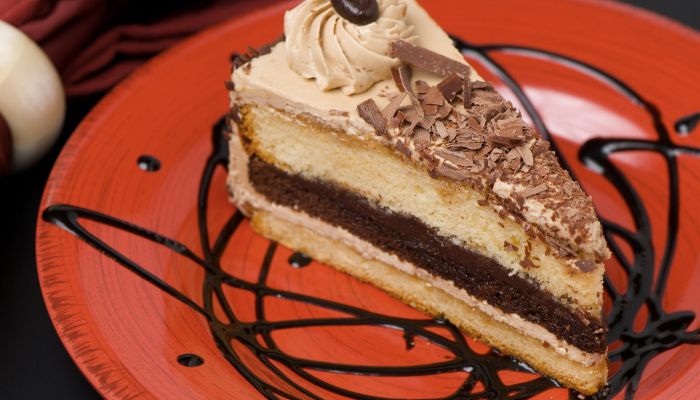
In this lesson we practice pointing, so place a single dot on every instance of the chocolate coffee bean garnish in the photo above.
(359, 12)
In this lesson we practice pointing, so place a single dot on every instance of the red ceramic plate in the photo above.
(159, 289)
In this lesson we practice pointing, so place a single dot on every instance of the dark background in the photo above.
(33, 363)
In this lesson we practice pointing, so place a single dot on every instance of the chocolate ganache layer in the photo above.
(411, 240)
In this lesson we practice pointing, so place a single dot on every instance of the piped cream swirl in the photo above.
(322, 45)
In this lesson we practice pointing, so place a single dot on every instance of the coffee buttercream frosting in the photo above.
(324, 46)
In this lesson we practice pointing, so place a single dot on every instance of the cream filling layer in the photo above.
(248, 200)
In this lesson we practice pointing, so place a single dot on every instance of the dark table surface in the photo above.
(34, 363)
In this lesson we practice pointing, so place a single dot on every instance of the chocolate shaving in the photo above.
(414, 114)
(504, 122)
(513, 131)
(430, 109)
(457, 158)
(485, 150)
(401, 117)
(431, 158)
(266, 49)
(428, 60)
(440, 129)
(478, 166)
(253, 52)
(390, 110)
(238, 60)
(427, 122)
(422, 87)
(481, 85)
(529, 192)
(491, 113)
(585, 265)
(509, 246)
(402, 76)
(450, 87)
(526, 154)
(527, 264)
(447, 172)
(434, 97)
(369, 111)
(496, 154)
(540, 147)
(467, 93)
(473, 144)
(433, 161)
(230, 86)
(507, 141)
(394, 125)
(421, 138)
(474, 124)
(401, 147)
(562, 250)
(444, 110)
(513, 155)
(451, 136)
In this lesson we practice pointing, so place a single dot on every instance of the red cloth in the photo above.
(93, 52)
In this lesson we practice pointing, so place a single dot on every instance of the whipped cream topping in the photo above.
(324, 46)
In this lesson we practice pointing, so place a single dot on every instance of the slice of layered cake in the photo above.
(365, 140)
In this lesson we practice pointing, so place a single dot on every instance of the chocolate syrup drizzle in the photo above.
(663, 330)
(686, 125)
(299, 260)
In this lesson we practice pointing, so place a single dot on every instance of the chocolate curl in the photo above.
(402, 77)
(369, 111)
(467, 93)
(428, 60)
(390, 110)
(451, 86)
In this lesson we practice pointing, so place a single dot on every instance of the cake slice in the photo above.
(378, 150)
